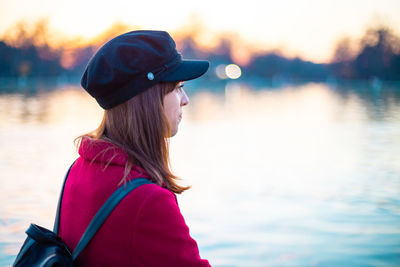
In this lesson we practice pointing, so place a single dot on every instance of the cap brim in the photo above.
(187, 70)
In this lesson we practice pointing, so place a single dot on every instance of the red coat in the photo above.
(145, 229)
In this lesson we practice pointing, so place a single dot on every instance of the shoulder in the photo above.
(160, 236)
(157, 216)
(156, 199)
(156, 206)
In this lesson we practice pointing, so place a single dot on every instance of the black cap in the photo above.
(133, 62)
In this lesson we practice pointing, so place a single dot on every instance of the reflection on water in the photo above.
(301, 176)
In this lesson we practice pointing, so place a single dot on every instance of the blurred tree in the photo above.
(275, 66)
(342, 60)
(26, 51)
(344, 51)
(31, 50)
(378, 56)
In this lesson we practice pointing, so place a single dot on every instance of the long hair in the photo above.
(140, 127)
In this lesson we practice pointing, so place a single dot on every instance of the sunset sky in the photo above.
(307, 28)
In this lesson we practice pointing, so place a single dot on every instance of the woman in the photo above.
(138, 79)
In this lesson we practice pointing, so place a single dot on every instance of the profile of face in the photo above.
(173, 103)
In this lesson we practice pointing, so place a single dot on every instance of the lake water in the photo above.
(305, 175)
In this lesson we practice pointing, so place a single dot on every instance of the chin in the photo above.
(173, 133)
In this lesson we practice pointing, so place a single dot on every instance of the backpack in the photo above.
(45, 248)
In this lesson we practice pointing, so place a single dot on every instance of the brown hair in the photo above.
(140, 127)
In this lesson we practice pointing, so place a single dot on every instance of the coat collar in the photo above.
(104, 152)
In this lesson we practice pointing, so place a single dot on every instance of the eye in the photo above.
(180, 88)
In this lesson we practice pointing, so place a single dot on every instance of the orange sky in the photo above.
(306, 28)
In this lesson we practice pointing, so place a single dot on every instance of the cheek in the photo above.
(171, 106)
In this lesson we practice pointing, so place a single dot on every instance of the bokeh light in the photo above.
(233, 71)
(220, 71)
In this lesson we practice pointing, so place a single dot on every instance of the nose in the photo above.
(184, 99)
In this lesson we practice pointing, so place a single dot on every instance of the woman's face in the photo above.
(173, 103)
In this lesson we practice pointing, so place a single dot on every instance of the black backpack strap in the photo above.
(104, 211)
(57, 220)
